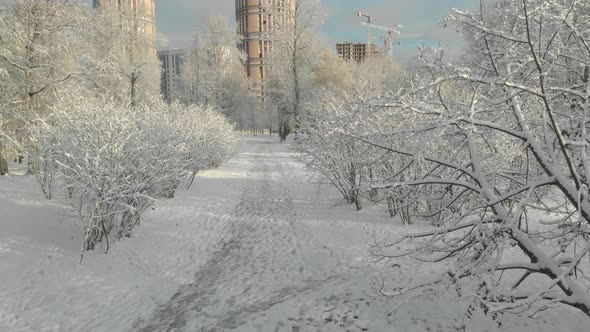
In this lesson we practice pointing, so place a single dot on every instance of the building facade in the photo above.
(357, 52)
(173, 63)
(256, 21)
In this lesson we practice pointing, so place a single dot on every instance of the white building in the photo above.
(172, 62)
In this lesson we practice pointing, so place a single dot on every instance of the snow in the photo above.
(256, 245)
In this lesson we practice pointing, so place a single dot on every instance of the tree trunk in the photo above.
(133, 82)
(284, 130)
(373, 194)
(3, 161)
(391, 206)
(283, 123)
(297, 93)
(295, 72)
(252, 122)
(356, 197)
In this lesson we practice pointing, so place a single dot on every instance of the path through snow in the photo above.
(264, 259)
(253, 246)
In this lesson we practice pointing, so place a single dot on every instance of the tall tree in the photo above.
(331, 73)
(123, 55)
(291, 58)
(38, 51)
(213, 74)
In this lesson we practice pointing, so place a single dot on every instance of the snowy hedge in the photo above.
(116, 161)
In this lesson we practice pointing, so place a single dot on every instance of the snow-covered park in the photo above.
(256, 245)
(271, 184)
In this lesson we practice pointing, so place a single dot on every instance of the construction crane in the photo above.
(391, 34)
(369, 22)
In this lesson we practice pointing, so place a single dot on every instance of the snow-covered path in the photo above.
(252, 246)
(265, 258)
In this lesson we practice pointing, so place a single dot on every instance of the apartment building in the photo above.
(256, 21)
(173, 63)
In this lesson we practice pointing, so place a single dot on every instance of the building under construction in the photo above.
(357, 52)
(256, 21)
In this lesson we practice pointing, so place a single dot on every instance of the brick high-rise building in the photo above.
(256, 21)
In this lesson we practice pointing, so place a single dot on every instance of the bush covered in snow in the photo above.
(329, 149)
(116, 161)
(79, 98)
(212, 137)
(335, 117)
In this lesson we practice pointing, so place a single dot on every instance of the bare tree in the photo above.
(213, 75)
(512, 167)
(123, 61)
(491, 150)
(332, 74)
(38, 54)
(291, 57)
(3, 157)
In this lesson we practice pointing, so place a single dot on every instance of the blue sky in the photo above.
(178, 20)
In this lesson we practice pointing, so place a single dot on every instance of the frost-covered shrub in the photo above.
(333, 118)
(116, 161)
(329, 151)
(335, 142)
(40, 150)
(210, 138)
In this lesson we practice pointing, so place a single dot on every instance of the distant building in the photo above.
(255, 21)
(172, 62)
(357, 52)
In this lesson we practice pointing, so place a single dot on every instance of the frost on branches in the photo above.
(116, 161)
(492, 150)
(79, 99)
(337, 110)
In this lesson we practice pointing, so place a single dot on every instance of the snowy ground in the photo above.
(253, 246)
